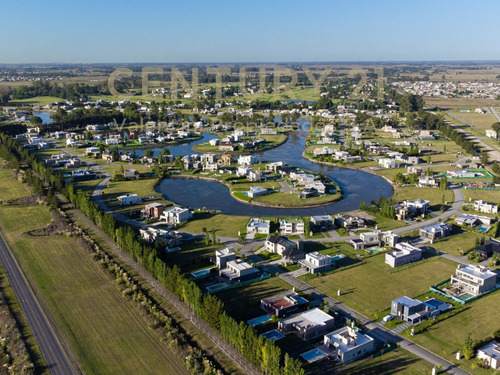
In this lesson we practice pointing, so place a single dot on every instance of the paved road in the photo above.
(376, 330)
(52, 350)
(494, 111)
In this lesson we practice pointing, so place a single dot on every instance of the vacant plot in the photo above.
(37, 100)
(249, 307)
(224, 225)
(370, 287)
(459, 244)
(11, 189)
(480, 318)
(397, 361)
(482, 121)
(453, 103)
(492, 196)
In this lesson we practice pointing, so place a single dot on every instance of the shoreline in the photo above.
(259, 204)
(363, 169)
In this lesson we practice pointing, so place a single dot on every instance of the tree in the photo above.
(484, 158)
(36, 120)
(292, 366)
(411, 103)
(148, 153)
(496, 128)
(468, 348)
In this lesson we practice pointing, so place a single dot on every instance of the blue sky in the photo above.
(248, 31)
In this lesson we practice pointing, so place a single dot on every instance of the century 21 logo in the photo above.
(178, 81)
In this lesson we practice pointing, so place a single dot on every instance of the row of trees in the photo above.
(384, 207)
(258, 350)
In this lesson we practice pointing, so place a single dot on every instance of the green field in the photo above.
(370, 287)
(105, 332)
(37, 100)
(459, 244)
(224, 225)
(492, 196)
(482, 121)
(398, 361)
(249, 306)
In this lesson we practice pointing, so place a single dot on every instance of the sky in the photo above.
(126, 31)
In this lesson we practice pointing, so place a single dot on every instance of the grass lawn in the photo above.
(143, 188)
(492, 196)
(370, 287)
(193, 256)
(224, 225)
(9, 189)
(458, 244)
(447, 336)
(292, 200)
(397, 361)
(482, 121)
(37, 100)
(249, 307)
(104, 331)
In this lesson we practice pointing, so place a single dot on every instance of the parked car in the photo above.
(388, 318)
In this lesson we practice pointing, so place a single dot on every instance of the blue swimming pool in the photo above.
(313, 355)
(259, 320)
(483, 229)
(201, 272)
(273, 335)
(337, 257)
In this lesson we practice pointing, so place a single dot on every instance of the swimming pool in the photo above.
(201, 272)
(337, 257)
(483, 229)
(313, 355)
(259, 320)
(273, 335)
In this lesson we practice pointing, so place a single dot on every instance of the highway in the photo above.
(57, 361)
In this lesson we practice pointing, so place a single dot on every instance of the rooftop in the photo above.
(476, 271)
(407, 301)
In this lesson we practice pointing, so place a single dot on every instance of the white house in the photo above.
(291, 226)
(246, 160)
(474, 279)
(316, 262)
(257, 191)
(348, 344)
(402, 254)
(490, 353)
(176, 215)
(485, 207)
(128, 199)
(256, 225)
(387, 163)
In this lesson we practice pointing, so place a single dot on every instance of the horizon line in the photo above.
(346, 62)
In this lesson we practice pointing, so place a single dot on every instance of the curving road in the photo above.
(57, 361)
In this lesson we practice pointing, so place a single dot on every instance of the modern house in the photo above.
(169, 238)
(348, 344)
(474, 279)
(414, 311)
(490, 353)
(247, 160)
(222, 256)
(410, 209)
(129, 199)
(291, 226)
(375, 238)
(322, 221)
(387, 163)
(403, 253)
(316, 263)
(257, 191)
(289, 250)
(348, 222)
(470, 221)
(153, 210)
(308, 325)
(256, 225)
(237, 270)
(435, 231)
(485, 207)
(130, 174)
(176, 215)
(284, 305)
